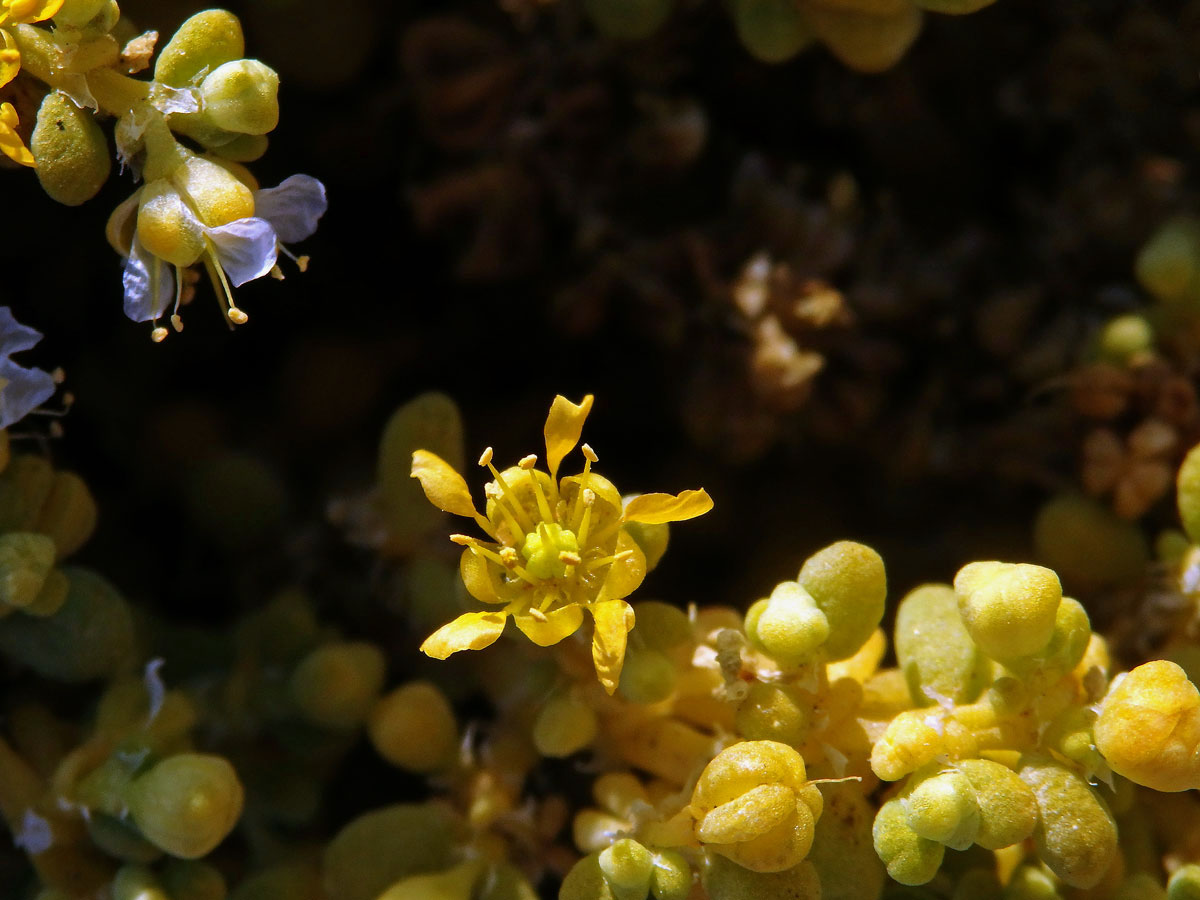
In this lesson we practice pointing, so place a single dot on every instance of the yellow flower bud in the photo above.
(336, 685)
(910, 741)
(216, 194)
(186, 804)
(414, 728)
(1009, 609)
(241, 96)
(787, 626)
(910, 858)
(1149, 727)
(942, 808)
(202, 43)
(564, 726)
(754, 805)
(165, 225)
(848, 582)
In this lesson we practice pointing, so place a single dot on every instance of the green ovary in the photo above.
(549, 550)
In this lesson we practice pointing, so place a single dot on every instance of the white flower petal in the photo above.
(15, 337)
(293, 207)
(22, 391)
(149, 284)
(246, 248)
(167, 99)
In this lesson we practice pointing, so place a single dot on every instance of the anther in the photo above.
(528, 462)
(236, 316)
(276, 273)
(569, 558)
(589, 453)
(177, 322)
(485, 457)
(509, 557)
(58, 375)
(589, 497)
(158, 335)
(537, 614)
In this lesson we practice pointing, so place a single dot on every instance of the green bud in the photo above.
(1007, 807)
(648, 676)
(137, 883)
(627, 20)
(1125, 336)
(1076, 835)
(77, 13)
(942, 808)
(202, 43)
(1168, 265)
(70, 151)
(772, 712)
(1031, 882)
(336, 685)
(586, 881)
(910, 858)
(565, 725)
(934, 650)
(90, 636)
(848, 582)
(387, 845)
(662, 626)
(414, 728)
(25, 561)
(787, 626)
(187, 803)
(772, 30)
(242, 97)
(1184, 883)
(627, 866)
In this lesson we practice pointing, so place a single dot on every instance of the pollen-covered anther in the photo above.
(485, 458)
(463, 540)
(537, 614)
(568, 558)
(158, 335)
(589, 497)
(508, 555)
(236, 316)
(276, 272)
(589, 453)
(177, 322)
(528, 462)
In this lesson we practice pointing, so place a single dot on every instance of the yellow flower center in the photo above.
(549, 550)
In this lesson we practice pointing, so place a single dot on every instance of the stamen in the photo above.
(589, 500)
(508, 557)
(486, 456)
(606, 560)
(493, 492)
(276, 273)
(177, 322)
(237, 317)
(543, 504)
(569, 558)
(58, 375)
(589, 457)
(300, 261)
(607, 531)
(475, 547)
(158, 335)
(537, 615)
(526, 523)
(528, 462)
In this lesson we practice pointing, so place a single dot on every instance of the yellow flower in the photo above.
(558, 546)
(17, 12)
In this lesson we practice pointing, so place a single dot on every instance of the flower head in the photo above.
(557, 548)
(22, 390)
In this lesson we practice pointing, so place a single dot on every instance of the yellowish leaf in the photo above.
(656, 509)
(614, 620)
(564, 425)
(445, 488)
(470, 631)
(558, 624)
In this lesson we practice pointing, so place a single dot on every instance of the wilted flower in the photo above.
(558, 546)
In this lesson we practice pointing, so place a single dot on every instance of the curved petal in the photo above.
(246, 248)
(478, 577)
(470, 631)
(564, 425)
(22, 391)
(293, 207)
(657, 509)
(614, 621)
(10, 59)
(444, 487)
(11, 144)
(15, 337)
(42, 10)
(149, 284)
(558, 624)
(623, 576)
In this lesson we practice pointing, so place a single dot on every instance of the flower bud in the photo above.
(186, 804)
(1009, 609)
(773, 712)
(455, 883)
(1076, 835)
(70, 151)
(1007, 807)
(190, 880)
(386, 845)
(1149, 727)
(724, 880)
(165, 225)
(414, 728)
(648, 676)
(564, 726)
(216, 194)
(202, 43)
(241, 96)
(336, 685)
(787, 626)
(627, 866)
(910, 858)
(848, 583)
(934, 649)
(68, 514)
(942, 808)
(77, 13)
(1184, 883)
(753, 805)
(1168, 265)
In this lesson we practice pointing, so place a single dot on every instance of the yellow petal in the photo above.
(563, 427)
(10, 62)
(614, 620)
(470, 631)
(29, 11)
(11, 144)
(560, 623)
(622, 577)
(445, 488)
(655, 509)
(479, 578)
